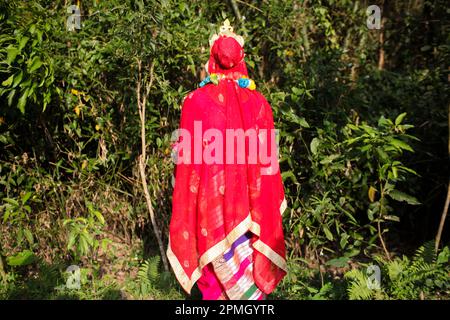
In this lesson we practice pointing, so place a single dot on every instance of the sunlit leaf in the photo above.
(401, 196)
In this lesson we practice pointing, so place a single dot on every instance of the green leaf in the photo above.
(370, 213)
(314, 144)
(29, 236)
(400, 118)
(99, 216)
(35, 64)
(23, 42)
(11, 54)
(289, 175)
(26, 197)
(297, 91)
(96, 213)
(395, 172)
(400, 144)
(338, 262)
(344, 240)
(392, 218)
(104, 243)
(11, 97)
(6, 215)
(401, 196)
(382, 154)
(408, 170)
(329, 158)
(352, 253)
(23, 101)
(72, 239)
(443, 256)
(23, 258)
(8, 81)
(83, 244)
(12, 202)
(328, 233)
(302, 122)
(17, 79)
(382, 121)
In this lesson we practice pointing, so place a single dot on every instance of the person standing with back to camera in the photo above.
(226, 230)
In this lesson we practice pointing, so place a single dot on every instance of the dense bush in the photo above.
(362, 115)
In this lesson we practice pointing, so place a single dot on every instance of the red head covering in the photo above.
(227, 56)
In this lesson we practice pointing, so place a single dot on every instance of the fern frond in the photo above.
(426, 252)
(357, 288)
(395, 268)
(148, 272)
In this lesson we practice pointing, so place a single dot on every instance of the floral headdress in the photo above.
(227, 58)
(226, 30)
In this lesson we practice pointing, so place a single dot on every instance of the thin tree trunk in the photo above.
(2, 268)
(443, 217)
(383, 244)
(381, 53)
(142, 101)
(237, 13)
(447, 201)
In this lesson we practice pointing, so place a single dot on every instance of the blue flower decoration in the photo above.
(205, 81)
(243, 82)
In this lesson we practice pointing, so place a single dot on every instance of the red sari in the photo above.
(226, 226)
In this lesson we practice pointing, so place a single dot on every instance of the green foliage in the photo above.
(84, 233)
(362, 146)
(25, 60)
(148, 273)
(153, 283)
(424, 276)
(23, 258)
(304, 282)
(352, 170)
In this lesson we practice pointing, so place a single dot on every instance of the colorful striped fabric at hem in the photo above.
(234, 271)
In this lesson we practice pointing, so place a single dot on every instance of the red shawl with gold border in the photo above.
(218, 196)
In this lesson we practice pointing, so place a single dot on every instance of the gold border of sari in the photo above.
(221, 247)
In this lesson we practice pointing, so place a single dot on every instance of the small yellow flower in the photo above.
(77, 110)
(252, 85)
(97, 127)
(288, 53)
(77, 92)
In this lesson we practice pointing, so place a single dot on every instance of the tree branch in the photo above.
(142, 102)
(237, 13)
(447, 201)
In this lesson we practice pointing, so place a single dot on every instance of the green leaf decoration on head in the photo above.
(214, 79)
